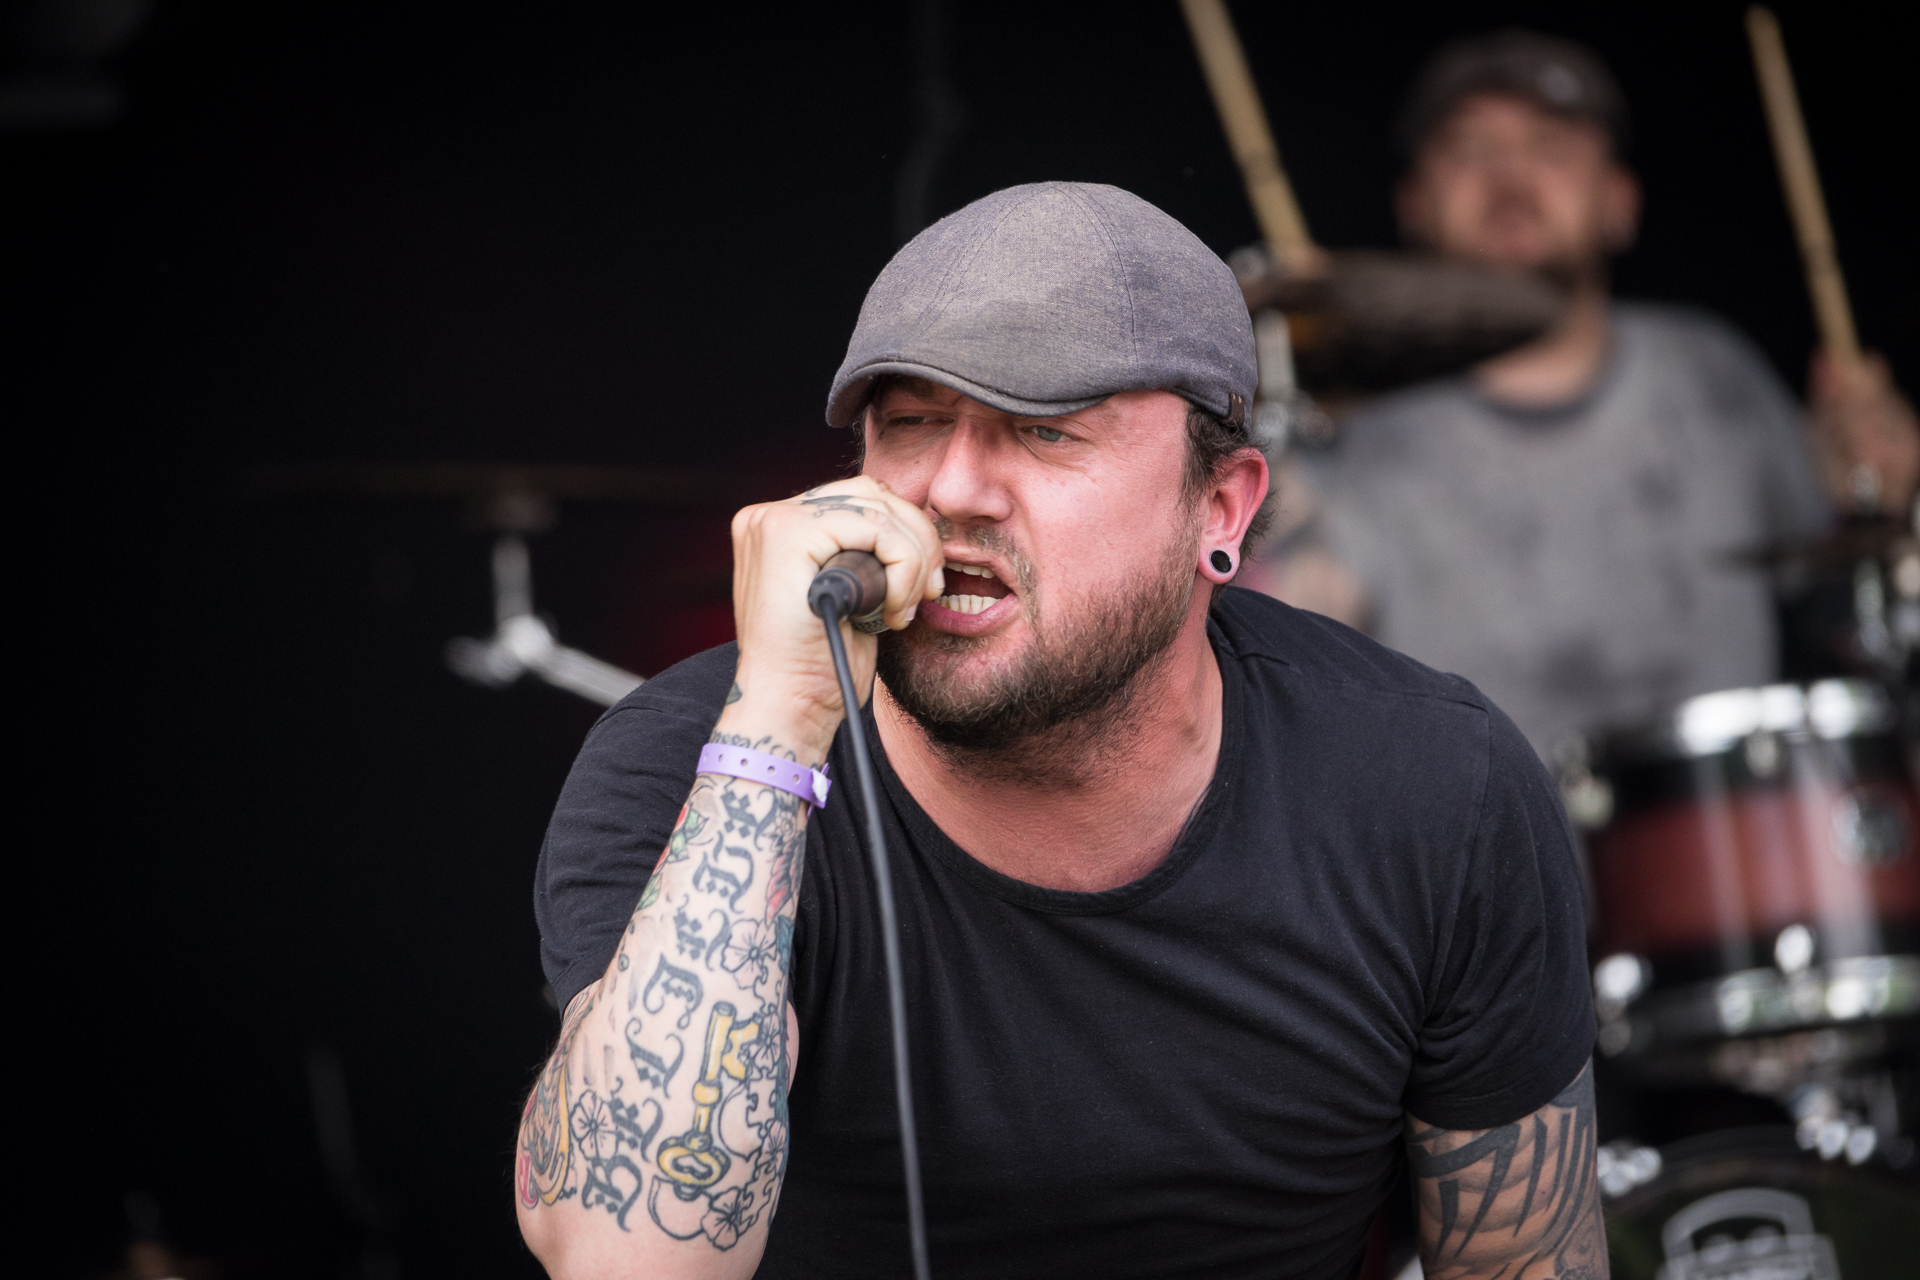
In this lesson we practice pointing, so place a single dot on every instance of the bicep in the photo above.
(1520, 1201)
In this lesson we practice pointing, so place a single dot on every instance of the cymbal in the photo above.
(1376, 320)
(1858, 538)
(508, 496)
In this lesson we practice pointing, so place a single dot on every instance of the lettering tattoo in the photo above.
(822, 503)
(700, 978)
(1520, 1202)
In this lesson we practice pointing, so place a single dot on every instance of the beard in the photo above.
(1564, 258)
(1068, 697)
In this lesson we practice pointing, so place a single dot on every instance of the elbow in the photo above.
(541, 1230)
(572, 1246)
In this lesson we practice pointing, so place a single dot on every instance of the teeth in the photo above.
(975, 570)
(968, 604)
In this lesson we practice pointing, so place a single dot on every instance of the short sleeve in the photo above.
(619, 805)
(1509, 1016)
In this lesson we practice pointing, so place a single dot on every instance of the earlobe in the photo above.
(1217, 566)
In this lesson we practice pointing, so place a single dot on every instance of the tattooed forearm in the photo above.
(667, 1090)
(1520, 1202)
(540, 1172)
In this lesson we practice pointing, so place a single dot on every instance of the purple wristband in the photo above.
(810, 785)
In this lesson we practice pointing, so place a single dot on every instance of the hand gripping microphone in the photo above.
(853, 584)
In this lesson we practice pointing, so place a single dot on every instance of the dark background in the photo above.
(267, 821)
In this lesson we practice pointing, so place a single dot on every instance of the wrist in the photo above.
(779, 726)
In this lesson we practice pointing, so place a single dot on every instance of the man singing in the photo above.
(1213, 911)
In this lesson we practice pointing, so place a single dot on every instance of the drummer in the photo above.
(1557, 524)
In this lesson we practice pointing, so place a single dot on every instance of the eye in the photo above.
(1052, 435)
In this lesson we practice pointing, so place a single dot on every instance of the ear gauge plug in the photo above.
(1222, 562)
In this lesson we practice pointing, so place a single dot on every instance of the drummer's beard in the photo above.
(1572, 272)
(1063, 703)
(1568, 258)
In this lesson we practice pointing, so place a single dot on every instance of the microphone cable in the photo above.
(853, 585)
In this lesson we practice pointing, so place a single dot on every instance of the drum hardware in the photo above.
(1713, 722)
(1625, 1164)
(1785, 1243)
(513, 502)
(1862, 581)
(1617, 981)
(1762, 751)
(523, 643)
(1886, 607)
(1870, 828)
(1753, 1204)
(1778, 1067)
(1588, 798)
(1757, 1002)
(1283, 415)
(1793, 949)
(1833, 1126)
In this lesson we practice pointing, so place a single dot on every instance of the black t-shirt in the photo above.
(1374, 908)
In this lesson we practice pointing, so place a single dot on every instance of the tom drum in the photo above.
(1757, 875)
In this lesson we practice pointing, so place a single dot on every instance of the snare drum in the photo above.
(1758, 875)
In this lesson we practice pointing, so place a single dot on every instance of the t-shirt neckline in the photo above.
(1538, 416)
(1196, 833)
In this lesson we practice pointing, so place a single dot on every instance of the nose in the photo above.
(967, 485)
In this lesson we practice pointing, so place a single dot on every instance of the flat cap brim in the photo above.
(854, 396)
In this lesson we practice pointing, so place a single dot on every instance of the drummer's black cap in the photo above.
(1563, 77)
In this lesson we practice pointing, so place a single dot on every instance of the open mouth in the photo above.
(973, 602)
(972, 588)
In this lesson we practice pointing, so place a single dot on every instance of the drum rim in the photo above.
(1847, 991)
(1711, 724)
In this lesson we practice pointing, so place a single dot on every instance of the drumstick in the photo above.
(1251, 140)
(1802, 183)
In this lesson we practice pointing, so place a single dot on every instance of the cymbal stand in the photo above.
(522, 642)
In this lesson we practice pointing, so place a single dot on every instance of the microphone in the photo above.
(853, 584)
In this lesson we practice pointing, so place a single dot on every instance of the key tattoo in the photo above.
(696, 947)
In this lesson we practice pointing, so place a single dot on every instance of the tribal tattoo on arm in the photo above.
(1520, 1202)
(663, 1109)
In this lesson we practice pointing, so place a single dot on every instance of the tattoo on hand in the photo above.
(611, 1122)
(826, 502)
(1518, 1201)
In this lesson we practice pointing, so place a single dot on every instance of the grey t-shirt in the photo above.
(1574, 562)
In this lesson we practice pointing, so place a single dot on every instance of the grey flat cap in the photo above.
(1048, 298)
